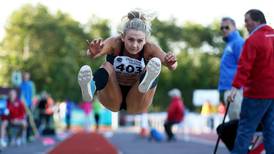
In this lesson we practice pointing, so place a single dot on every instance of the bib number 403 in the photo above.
(129, 68)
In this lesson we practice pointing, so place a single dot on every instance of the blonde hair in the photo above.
(137, 20)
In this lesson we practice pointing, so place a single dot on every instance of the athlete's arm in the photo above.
(98, 47)
(168, 59)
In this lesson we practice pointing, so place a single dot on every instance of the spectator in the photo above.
(4, 121)
(45, 109)
(27, 89)
(175, 112)
(255, 74)
(97, 109)
(207, 111)
(69, 106)
(229, 62)
(15, 118)
(86, 107)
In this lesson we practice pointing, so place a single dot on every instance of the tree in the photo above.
(98, 28)
(51, 47)
(198, 55)
(166, 32)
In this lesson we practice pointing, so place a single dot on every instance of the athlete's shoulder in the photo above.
(151, 47)
(113, 44)
(113, 40)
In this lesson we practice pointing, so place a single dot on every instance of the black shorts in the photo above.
(124, 90)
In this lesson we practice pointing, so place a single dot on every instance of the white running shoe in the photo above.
(84, 78)
(153, 69)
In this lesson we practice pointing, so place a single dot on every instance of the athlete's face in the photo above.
(134, 41)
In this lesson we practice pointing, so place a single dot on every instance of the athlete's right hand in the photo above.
(94, 47)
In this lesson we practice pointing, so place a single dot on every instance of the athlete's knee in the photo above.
(111, 102)
(114, 107)
(101, 78)
(108, 67)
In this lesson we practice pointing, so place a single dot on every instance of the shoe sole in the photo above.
(153, 69)
(84, 78)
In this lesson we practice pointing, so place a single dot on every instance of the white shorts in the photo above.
(235, 107)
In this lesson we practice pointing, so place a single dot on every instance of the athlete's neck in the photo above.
(126, 53)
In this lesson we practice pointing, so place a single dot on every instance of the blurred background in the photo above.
(47, 39)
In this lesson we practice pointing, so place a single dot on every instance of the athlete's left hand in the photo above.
(170, 58)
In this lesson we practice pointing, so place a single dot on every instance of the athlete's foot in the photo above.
(153, 69)
(84, 78)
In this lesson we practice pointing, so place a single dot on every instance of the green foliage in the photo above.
(166, 32)
(98, 28)
(198, 59)
(195, 71)
(52, 47)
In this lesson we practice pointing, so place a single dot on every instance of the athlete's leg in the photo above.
(138, 102)
(110, 96)
(107, 87)
(141, 95)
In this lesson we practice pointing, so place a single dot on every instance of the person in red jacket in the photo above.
(255, 73)
(175, 112)
(16, 117)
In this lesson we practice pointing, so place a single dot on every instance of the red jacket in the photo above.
(175, 110)
(16, 110)
(255, 71)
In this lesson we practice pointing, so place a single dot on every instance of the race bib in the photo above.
(127, 65)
